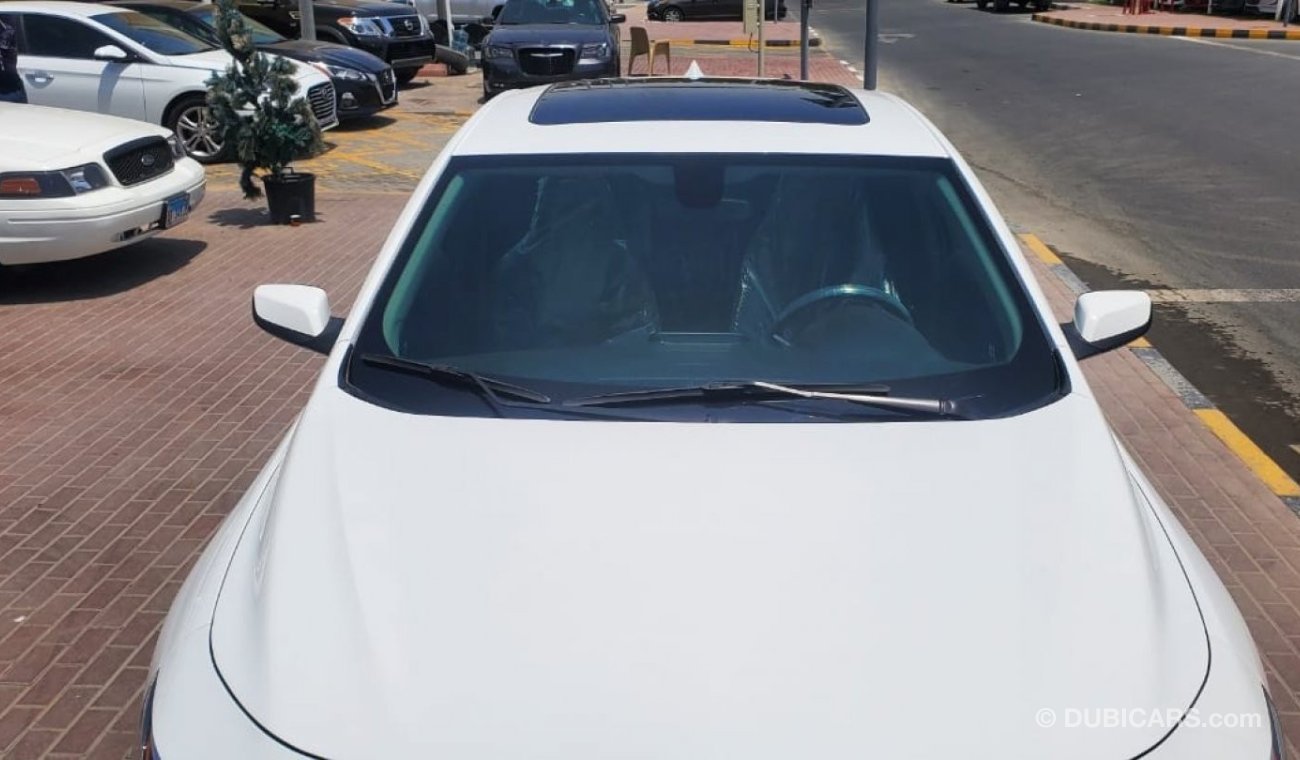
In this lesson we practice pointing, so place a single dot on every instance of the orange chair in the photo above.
(643, 45)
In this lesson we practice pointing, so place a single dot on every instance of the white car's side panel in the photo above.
(114, 88)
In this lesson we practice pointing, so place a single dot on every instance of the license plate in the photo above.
(176, 210)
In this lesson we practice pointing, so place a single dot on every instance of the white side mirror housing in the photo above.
(111, 53)
(299, 314)
(1107, 319)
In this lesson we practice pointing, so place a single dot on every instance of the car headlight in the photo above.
(147, 749)
(362, 27)
(498, 51)
(340, 72)
(598, 50)
(1279, 741)
(178, 150)
(59, 184)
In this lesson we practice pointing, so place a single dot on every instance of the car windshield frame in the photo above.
(152, 33)
(542, 12)
(1035, 350)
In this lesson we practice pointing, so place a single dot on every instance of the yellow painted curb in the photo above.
(1040, 249)
(1259, 463)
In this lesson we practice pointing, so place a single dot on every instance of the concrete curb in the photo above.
(1264, 468)
(1173, 31)
(813, 41)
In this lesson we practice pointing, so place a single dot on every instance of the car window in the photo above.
(158, 36)
(611, 273)
(262, 34)
(183, 21)
(56, 37)
(552, 12)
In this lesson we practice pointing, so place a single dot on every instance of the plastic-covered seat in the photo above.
(571, 280)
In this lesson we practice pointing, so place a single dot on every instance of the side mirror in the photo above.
(617, 18)
(111, 53)
(1108, 319)
(299, 314)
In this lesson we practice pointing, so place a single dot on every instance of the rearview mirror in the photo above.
(299, 314)
(111, 53)
(617, 18)
(1108, 319)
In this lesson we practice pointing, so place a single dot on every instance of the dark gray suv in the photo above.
(542, 41)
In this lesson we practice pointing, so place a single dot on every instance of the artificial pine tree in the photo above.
(256, 105)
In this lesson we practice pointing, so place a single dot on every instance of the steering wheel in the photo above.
(874, 296)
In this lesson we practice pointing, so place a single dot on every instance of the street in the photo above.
(1160, 162)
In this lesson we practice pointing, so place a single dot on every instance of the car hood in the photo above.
(327, 52)
(547, 34)
(37, 138)
(426, 586)
(368, 7)
(218, 60)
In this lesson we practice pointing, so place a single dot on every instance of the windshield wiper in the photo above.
(874, 395)
(490, 387)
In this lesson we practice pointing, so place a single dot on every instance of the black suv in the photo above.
(393, 32)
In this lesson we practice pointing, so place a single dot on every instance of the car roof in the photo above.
(675, 115)
(180, 5)
(60, 7)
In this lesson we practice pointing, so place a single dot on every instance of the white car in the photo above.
(742, 431)
(74, 184)
(114, 60)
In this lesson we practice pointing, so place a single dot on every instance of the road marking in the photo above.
(1242, 48)
(377, 166)
(1040, 249)
(1296, 448)
(1260, 463)
(1226, 295)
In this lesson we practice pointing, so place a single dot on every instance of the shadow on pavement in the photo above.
(366, 124)
(96, 276)
(248, 218)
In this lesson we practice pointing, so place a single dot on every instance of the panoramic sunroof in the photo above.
(622, 100)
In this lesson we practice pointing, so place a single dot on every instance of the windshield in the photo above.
(583, 275)
(552, 12)
(262, 34)
(156, 35)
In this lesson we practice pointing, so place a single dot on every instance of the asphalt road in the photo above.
(1155, 161)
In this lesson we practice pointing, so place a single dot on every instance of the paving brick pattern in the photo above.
(137, 401)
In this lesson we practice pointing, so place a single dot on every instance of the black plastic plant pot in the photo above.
(291, 197)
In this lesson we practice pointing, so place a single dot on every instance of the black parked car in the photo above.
(541, 41)
(363, 83)
(700, 10)
(393, 32)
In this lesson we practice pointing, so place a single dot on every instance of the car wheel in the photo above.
(404, 76)
(673, 14)
(982, 4)
(1001, 6)
(192, 123)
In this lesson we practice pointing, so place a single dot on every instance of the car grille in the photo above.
(387, 85)
(404, 51)
(405, 26)
(546, 61)
(321, 98)
(140, 160)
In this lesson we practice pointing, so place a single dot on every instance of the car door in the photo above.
(56, 58)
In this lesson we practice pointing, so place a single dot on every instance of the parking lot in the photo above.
(140, 401)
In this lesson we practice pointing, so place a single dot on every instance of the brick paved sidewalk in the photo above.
(1111, 18)
(139, 401)
(783, 32)
(737, 62)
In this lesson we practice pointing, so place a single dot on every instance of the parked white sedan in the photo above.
(703, 419)
(74, 184)
(113, 60)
